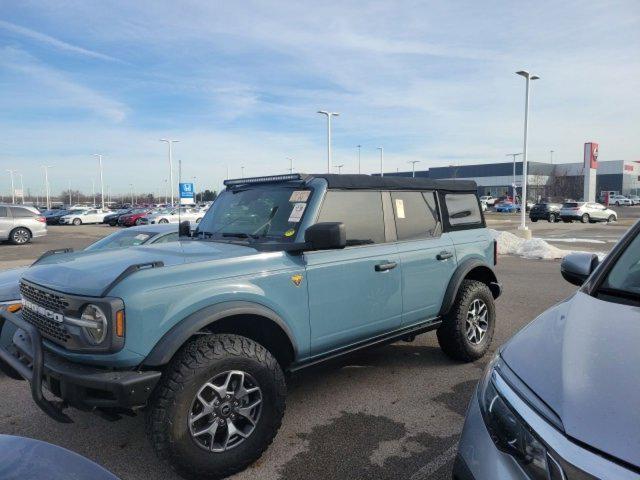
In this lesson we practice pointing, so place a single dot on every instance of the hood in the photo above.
(582, 358)
(89, 273)
(9, 286)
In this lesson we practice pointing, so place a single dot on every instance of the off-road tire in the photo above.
(585, 218)
(20, 236)
(196, 363)
(452, 335)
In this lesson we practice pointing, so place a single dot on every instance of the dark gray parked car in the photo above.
(561, 400)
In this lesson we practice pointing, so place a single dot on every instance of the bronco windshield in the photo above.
(270, 212)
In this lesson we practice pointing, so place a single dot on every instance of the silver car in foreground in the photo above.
(20, 223)
(586, 212)
(561, 399)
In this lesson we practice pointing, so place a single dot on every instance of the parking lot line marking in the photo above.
(436, 464)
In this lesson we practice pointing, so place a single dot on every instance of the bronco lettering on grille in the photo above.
(56, 317)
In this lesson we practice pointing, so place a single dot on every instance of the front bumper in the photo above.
(81, 386)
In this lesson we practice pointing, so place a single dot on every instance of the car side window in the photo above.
(462, 209)
(171, 237)
(416, 215)
(18, 212)
(361, 213)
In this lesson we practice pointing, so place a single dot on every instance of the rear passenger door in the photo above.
(354, 293)
(6, 223)
(426, 254)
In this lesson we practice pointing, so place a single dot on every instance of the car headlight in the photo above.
(509, 432)
(94, 324)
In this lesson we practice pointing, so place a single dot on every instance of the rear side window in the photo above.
(361, 213)
(570, 205)
(462, 209)
(18, 212)
(416, 215)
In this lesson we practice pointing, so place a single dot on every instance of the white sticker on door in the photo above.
(296, 213)
(300, 196)
(400, 208)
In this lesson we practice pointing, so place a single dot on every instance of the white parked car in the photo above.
(619, 200)
(175, 215)
(78, 217)
(488, 199)
(635, 199)
(586, 212)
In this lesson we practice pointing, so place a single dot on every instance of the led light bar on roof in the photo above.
(267, 179)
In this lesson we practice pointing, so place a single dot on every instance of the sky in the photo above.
(239, 85)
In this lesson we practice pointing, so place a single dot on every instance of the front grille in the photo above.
(51, 301)
(47, 327)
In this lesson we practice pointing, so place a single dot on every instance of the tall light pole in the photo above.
(131, 187)
(170, 143)
(381, 161)
(359, 149)
(46, 183)
(329, 115)
(551, 156)
(513, 183)
(21, 188)
(101, 180)
(70, 200)
(523, 210)
(413, 167)
(93, 192)
(166, 199)
(339, 167)
(13, 190)
(290, 164)
(195, 190)
(242, 171)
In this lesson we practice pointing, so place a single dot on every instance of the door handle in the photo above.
(383, 267)
(444, 255)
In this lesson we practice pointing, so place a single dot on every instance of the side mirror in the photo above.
(185, 229)
(326, 236)
(576, 267)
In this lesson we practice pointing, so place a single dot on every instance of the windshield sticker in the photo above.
(142, 237)
(289, 233)
(400, 208)
(300, 196)
(296, 213)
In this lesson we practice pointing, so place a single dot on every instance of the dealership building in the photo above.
(544, 180)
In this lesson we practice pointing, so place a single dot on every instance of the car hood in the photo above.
(90, 272)
(9, 287)
(582, 358)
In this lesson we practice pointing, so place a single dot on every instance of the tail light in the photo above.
(495, 252)
(41, 219)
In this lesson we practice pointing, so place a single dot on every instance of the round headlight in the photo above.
(96, 327)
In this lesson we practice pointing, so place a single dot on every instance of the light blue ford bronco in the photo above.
(283, 272)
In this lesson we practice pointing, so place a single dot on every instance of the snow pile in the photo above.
(510, 244)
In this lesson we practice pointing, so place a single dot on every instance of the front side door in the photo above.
(354, 293)
(426, 254)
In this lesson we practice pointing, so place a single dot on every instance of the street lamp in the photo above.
(381, 161)
(170, 143)
(242, 171)
(13, 190)
(513, 183)
(413, 167)
(93, 192)
(551, 156)
(21, 188)
(523, 210)
(46, 183)
(329, 115)
(101, 181)
(290, 164)
(359, 148)
(339, 167)
(195, 190)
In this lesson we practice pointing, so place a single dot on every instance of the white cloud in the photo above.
(53, 42)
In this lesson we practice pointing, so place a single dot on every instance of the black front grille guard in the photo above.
(34, 374)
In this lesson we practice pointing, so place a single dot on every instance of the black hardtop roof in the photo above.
(364, 182)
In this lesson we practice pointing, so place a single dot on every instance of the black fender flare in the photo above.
(460, 274)
(171, 341)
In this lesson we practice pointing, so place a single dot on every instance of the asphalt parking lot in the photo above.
(392, 412)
